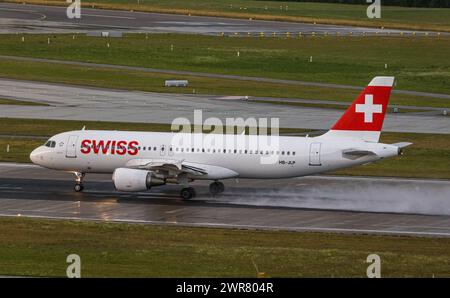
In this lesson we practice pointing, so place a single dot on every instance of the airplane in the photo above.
(139, 161)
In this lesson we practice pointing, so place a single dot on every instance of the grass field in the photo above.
(40, 248)
(428, 157)
(419, 64)
(395, 17)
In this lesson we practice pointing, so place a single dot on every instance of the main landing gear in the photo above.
(215, 188)
(79, 182)
(187, 193)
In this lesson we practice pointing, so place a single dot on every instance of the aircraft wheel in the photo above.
(78, 187)
(216, 187)
(187, 193)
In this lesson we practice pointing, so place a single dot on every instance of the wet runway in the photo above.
(319, 203)
(45, 19)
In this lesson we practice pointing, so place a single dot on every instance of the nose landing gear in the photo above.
(79, 182)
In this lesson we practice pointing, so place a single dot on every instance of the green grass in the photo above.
(419, 64)
(16, 127)
(47, 128)
(19, 149)
(40, 248)
(5, 101)
(398, 17)
(428, 157)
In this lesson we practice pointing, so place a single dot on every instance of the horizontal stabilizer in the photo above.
(356, 153)
(402, 144)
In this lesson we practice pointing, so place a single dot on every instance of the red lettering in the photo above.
(96, 146)
(106, 147)
(121, 150)
(86, 146)
(113, 149)
(133, 150)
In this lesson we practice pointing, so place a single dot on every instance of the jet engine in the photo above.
(135, 180)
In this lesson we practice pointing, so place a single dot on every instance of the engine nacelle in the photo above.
(134, 180)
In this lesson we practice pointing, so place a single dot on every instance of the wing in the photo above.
(170, 168)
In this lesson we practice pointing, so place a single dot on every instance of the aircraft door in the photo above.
(71, 149)
(314, 154)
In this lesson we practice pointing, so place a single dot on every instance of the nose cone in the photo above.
(34, 156)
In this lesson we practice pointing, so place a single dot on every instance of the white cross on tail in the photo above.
(368, 108)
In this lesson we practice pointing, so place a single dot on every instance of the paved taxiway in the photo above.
(44, 19)
(320, 203)
(83, 103)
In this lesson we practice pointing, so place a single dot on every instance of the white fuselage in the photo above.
(89, 151)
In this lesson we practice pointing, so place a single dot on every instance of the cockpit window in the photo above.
(50, 144)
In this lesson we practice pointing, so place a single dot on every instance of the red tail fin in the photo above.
(364, 118)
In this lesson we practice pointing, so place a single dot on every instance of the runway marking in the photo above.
(106, 16)
(238, 226)
(174, 211)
